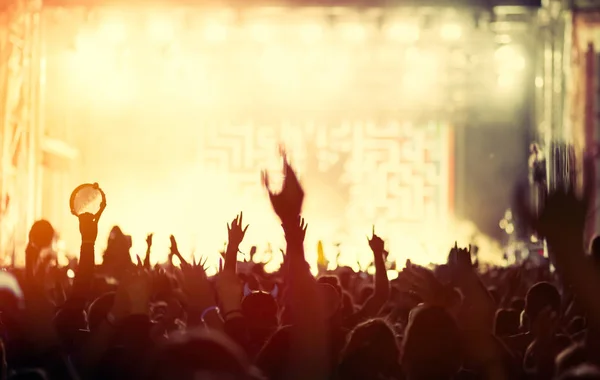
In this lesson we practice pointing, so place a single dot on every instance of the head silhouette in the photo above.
(432, 345)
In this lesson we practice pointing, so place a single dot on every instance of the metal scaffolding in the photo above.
(19, 125)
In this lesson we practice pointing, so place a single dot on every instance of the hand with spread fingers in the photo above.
(287, 204)
(235, 231)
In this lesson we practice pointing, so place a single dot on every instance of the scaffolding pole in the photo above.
(19, 125)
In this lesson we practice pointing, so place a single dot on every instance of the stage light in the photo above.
(161, 30)
(509, 58)
(404, 32)
(311, 33)
(354, 32)
(261, 32)
(539, 82)
(422, 70)
(451, 32)
(215, 32)
(506, 80)
(113, 32)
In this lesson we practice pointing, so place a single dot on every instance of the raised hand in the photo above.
(287, 204)
(423, 282)
(295, 232)
(148, 249)
(376, 243)
(235, 231)
(174, 251)
(88, 227)
(460, 258)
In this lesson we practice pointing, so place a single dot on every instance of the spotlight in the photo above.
(509, 58)
(311, 33)
(113, 32)
(354, 32)
(161, 30)
(404, 32)
(451, 32)
(506, 80)
(215, 32)
(261, 32)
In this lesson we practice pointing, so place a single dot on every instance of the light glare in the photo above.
(404, 32)
(451, 32)
(354, 32)
(261, 32)
(113, 32)
(539, 82)
(506, 80)
(161, 30)
(215, 33)
(311, 33)
(509, 58)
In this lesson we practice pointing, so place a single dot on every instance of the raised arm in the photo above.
(309, 337)
(229, 286)
(84, 276)
(382, 285)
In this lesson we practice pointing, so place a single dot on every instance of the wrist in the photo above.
(288, 222)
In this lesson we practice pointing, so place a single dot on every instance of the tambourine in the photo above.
(88, 198)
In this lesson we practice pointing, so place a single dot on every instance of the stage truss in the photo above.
(19, 124)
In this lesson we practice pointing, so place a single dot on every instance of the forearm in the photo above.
(231, 257)
(309, 340)
(82, 283)
(382, 284)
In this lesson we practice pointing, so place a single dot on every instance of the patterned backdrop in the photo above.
(356, 173)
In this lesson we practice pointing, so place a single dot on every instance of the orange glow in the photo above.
(177, 137)
(161, 30)
(215, 32)
(113, 31)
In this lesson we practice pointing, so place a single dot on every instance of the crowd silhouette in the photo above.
(127, 319)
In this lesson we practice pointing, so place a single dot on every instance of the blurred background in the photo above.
(414, 116)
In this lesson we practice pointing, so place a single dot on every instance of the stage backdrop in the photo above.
(176, 120)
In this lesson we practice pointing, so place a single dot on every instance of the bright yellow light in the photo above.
(506, 80)
(422, 70)
(70, 273)
(311, 33)
(354, 32)
(161, 30)
(508, 58)
(113, 32)
(215, 32)
(539, 82)
(451, 32)
(510, 229)
(261, 32)
(404, 32)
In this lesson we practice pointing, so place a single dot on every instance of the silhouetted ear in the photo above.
(275, 291)
(247, 290)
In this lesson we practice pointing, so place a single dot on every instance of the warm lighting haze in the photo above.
(176, 128)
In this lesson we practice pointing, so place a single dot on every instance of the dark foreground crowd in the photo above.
(126, 320)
